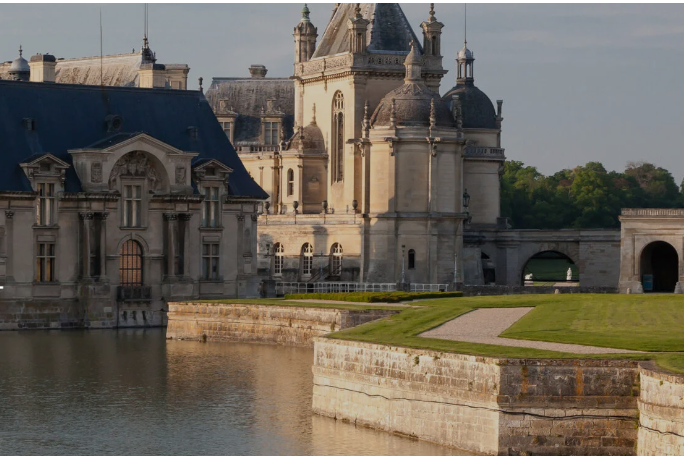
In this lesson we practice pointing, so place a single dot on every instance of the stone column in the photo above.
(103, 243)
(171, 226)
(86, 226)
(300, 187)
(185, 220)
(9, 239)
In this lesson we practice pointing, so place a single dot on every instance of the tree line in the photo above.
(583, 197)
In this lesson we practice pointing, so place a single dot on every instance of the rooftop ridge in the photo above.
(63, 86)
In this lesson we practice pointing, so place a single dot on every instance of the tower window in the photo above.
(412, 259)
(290, 182)
(338, 137)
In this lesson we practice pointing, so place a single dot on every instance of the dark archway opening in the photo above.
(659, 267)
(550, 268)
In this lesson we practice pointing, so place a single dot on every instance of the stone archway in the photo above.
(659, 267)
(548, 268)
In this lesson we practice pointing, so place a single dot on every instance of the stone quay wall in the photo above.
(661, 413)
(484, 405)
(286, 325)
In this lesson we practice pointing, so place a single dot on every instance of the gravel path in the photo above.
(483, 326)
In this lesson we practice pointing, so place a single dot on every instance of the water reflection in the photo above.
(132, 392)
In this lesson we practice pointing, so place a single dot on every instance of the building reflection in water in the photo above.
(133, 392)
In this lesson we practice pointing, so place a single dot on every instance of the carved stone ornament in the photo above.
(254, 217)
(135, 164)
(180, 175)
(96, 173)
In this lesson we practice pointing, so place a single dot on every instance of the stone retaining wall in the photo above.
(486, 405)
(287, 325)
(661, 413)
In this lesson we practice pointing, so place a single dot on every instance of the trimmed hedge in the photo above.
(378, 296)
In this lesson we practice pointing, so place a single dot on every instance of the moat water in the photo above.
(131, 392)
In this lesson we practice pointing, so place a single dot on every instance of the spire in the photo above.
(432, 17)
(413, 64)
(305, 35)
(432, 34)
(147, 55)
(313, 114)
(21, 52)
(357, 11)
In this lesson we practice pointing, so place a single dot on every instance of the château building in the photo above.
(368, 183)
(116, 200)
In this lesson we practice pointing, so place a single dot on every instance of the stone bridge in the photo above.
(499, 255)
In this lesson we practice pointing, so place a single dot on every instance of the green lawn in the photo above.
(635, 322)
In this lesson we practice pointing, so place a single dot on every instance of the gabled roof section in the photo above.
(389, 30)
(74, 117)
(37, 158)
(205, 162)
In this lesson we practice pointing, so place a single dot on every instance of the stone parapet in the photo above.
(286, 325)
(485, 405)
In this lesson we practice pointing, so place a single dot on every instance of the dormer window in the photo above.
(212, 179)
(211, 206)
(45, 208)
(271, 133)
(227, 127)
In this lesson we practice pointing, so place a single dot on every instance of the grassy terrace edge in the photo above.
(650, 323)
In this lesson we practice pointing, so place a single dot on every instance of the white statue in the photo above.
(529, 276)
(569, 275)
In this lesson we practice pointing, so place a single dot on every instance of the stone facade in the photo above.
(285, 325)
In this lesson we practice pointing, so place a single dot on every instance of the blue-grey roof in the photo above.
(478, 110)
(73, 117)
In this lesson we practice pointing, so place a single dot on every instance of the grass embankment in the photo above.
(636, 322)
(378, 296)
(283, 302)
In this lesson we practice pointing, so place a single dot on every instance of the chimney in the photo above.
(43, 68)
(258, 71)
(152, 75)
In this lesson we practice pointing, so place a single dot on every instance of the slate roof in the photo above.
(73, 116)
(247, 96)
(389, 30)
(412, 107)
(477, 109)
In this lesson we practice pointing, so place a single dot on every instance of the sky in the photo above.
(579, 82)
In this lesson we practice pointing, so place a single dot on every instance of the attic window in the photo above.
(114, 123)
(210, 172)
(29, 123)
(45, 167)
(193, 132)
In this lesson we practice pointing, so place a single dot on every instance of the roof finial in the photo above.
(357, 10)
(465, 24)
(305, 13)
(313, 112)
(432, 17)
(366, 120)
(200, 79)
(20, 51)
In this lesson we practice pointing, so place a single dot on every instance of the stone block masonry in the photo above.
(485, 405)
(287, 325)
(661, 413)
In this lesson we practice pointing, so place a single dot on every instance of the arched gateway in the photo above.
(659, 267)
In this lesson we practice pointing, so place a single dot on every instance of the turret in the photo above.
(305, 35)
(19, 69)
(432, 34)
(357, 26)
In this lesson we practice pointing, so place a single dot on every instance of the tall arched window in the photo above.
(337, 148)
(412, 259)
(336, 260)
(130, 264)
(290, 182)
(307, 259)
(279, 252)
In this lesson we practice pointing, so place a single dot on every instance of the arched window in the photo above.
(279, 252)
(307, 259)
(130, 264)
(336, 260)
(412, 259)
(337, 158)
(290, 182)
